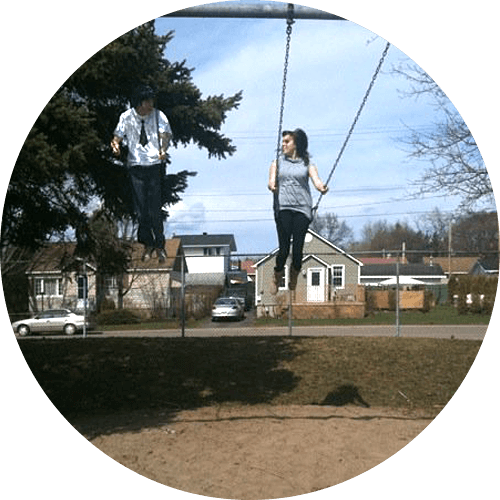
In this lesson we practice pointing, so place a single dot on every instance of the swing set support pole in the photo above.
(272, 10)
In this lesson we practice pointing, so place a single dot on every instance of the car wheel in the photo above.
(23, 330)
(69, 329)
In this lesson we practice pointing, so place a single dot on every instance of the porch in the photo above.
(345, 303)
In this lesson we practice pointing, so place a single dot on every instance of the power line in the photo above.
(325, 208)
(249, 135)
(361, 189)
(271, 219)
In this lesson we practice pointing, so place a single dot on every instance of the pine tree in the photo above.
(66, 161)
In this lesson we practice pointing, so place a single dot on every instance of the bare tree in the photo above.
(457, 167)
(329, 226)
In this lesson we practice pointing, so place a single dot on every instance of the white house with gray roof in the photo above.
(329, 276)
(208, 257)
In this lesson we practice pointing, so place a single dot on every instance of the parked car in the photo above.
(227, 308)
(241, 301)
(52, 320)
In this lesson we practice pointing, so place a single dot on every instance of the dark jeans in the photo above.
(146, 194)
(290, 224)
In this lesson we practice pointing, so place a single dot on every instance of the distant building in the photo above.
(328, 285)
(208, 257)
(57, 280)
(375, 274)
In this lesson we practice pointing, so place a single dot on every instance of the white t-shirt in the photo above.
(129, 130)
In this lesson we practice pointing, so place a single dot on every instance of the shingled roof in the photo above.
(415, 270)
(207, 240)
(55, 257)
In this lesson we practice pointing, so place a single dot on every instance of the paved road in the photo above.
(464, 332)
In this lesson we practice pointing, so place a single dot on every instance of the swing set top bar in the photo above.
(273, 10)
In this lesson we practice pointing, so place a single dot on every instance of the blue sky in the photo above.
(331, 65)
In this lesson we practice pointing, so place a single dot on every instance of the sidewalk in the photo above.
(459, 332)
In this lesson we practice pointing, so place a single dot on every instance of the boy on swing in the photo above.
(146, 131)
(289, 181)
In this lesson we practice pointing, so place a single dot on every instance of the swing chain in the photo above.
(356, 118)
(289, 22)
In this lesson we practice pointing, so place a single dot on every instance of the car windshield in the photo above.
(225, 302)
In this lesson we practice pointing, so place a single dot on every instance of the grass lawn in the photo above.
(122, 374)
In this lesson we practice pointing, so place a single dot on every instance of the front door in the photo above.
(316, 285)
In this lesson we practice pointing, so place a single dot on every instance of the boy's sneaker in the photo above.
(147, 254)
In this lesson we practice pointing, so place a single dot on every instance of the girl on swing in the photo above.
(289, 181)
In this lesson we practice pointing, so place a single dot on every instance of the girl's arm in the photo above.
(318, 184)
(272, 177)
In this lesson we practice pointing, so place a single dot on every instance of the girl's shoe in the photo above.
(293, 278)
(277, 279)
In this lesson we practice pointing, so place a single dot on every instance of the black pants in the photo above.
(146, 194)
(290, 224)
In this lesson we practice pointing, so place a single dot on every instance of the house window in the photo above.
(315, 278)
(210, 251)
(337, 276)
(48, 286)
(110, 283)
(83, 287)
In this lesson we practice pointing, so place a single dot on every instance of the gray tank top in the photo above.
(293, 186)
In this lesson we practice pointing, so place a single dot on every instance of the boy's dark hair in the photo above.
(142, 93)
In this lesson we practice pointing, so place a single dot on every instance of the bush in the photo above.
(481, 289)
(118, 317)
(108, 305)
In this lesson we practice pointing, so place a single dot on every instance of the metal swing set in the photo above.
(290, 12)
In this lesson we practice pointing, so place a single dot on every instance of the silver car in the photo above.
(227, 308)
(53, 320)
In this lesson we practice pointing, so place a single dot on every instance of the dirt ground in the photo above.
(254, 452)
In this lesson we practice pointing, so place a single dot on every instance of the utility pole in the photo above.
(449, 248)
(398, 323)
(183, 301)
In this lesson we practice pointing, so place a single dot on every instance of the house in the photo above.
(376, 274)
(487, 266)
(457, 265)
(208, 257)
(466, 265)
(153, 286)
(248, 266)
(328, 286)
(56, 279)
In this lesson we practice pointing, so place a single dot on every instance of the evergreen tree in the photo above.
(66, 161)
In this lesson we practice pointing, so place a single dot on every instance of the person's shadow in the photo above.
(344, 395)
